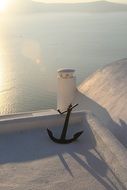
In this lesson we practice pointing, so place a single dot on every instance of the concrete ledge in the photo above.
(27, 114)
(113, 152)
(20, 122)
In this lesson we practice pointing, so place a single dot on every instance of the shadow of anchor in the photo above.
(63, 139)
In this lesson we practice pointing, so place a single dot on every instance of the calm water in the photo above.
(33, 47)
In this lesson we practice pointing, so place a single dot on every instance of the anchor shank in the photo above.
(64, 131)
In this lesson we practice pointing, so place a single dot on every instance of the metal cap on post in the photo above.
(66, 88)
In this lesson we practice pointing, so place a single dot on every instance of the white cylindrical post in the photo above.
(66, 88)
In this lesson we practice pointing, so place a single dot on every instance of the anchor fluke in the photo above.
(77, 135)
(52, 137)
(50, 133)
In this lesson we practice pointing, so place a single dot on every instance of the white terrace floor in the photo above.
(29, 160)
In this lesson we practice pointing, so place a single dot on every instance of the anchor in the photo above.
(63, 139)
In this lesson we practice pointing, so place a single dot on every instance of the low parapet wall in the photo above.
(43, 119)
(113, 152)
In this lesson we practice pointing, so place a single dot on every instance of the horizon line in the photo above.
(81, 2)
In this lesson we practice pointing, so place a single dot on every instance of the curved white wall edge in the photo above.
(113, 152)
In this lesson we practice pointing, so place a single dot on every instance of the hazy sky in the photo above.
(78, 1)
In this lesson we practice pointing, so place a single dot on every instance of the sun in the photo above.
(3, 5)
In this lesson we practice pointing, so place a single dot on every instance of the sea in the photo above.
(34, 46)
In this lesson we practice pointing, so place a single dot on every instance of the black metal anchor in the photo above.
(63, 139)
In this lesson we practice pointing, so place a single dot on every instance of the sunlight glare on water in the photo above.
(7, 86)
(3, 5)
(34, 46)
